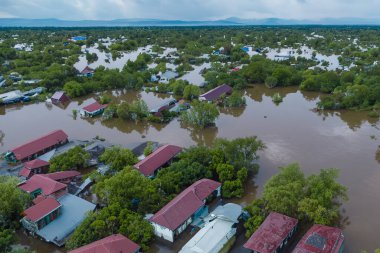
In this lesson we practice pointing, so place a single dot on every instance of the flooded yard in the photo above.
(291, 131)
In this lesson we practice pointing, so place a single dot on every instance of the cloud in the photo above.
(188, 9)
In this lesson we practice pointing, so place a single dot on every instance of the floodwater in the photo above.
(292, 132)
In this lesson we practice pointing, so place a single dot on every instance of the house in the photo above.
(54, 219)
(37, 147)
(59, 97)
(111, 244)
(34, 92)
(246, 49)
(167, 76)
(216, 93)
(321, 239)
(15, 77)
(30, 82)
(273, 234)
(64, 177)
(44, 186)
(220, 227)
(167, 105)
(87, 72)
(11, 97)
(33, 167)
(93, 109)
(2, 81)
(78, 38)
(178, 214)
(151, 164)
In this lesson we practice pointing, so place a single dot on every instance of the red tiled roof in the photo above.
(37, 145)
(185, 204)
(62, 175)
(40, 210)
(111, 244)
(87, 70)
(25, 172)
(58, 95)
(47, 185)
(320, 239)
(38, 199)
(94, 107)
(154, 161)
(36, 163)
(217, 92)
(271, 233)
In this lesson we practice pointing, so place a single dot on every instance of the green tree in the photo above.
(191, 92)
(148, 149)
(75, 158)
(118, 158)
(74, 89)
(7, 238)
(232, 189)
(201, 115)
(235, 100)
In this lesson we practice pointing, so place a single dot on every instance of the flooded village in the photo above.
(185, 155)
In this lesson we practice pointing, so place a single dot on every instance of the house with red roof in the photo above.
(321, 239)
(59, 97)
(111, 244)
(151, 164)
(42, 185)
(36, 166)
(178, 214)
(273, 234)
(37, 147)
(93, 109)
(87, 72)
(40, 215)
(216, 93)
(64, 177)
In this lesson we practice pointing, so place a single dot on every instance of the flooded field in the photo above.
(292, 132)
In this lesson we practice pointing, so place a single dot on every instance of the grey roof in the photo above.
(74, 210)
(228, 211)
(169, 75)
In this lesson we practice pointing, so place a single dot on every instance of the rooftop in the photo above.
(39, 144)
(215, 93)
(36, 163)
(58, 94)
(269, 236)
(62, 175)
(185, 204)
(47, 185)
(40, 210)
(73, 212)
(94, 107)
(155, 160)
(320, 239)
(112, 244)
(87, 70)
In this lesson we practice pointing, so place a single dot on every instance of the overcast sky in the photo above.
(188, 9)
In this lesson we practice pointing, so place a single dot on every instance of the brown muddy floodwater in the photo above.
(291, 131)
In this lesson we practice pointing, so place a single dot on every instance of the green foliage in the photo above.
(111, 220)
(13, 201)
(148, 149)
(201, 115)
(232, 189)
(118, 158)
(7, 238)
(314, 199)
(191, 92)
(74, 89)
(105, 99)
(277, 98)
(135, 111)
(235, 100)
(75, 158)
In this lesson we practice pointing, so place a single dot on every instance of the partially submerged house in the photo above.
(2, 81)
(31, 150)
(15, 76)
(34, 92)
(36, 166)
(87, 72)
(55, 213)
(273, 234)
(167, 105)
(93, 109)
(111, 244)
(151, 164)
(178, 214)
(11, 97)
(321, 239)
(167, 76)
(59, 97)
(55, 219)
(78, 38)
(220, 227)
(216, 93)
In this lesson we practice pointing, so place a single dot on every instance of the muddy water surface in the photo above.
(292, 132)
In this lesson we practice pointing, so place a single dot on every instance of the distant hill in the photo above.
(19, 22)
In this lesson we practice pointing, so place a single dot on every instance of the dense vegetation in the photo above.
(313, 199)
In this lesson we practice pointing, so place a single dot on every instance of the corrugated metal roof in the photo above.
(94, 107)
(112, 244)
(41, 209)
(37, 145)
(320, 239)
(159, 157)
(185, 204)
(271, 233)
(217, 92)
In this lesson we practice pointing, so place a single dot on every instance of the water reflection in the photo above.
(378, 155)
